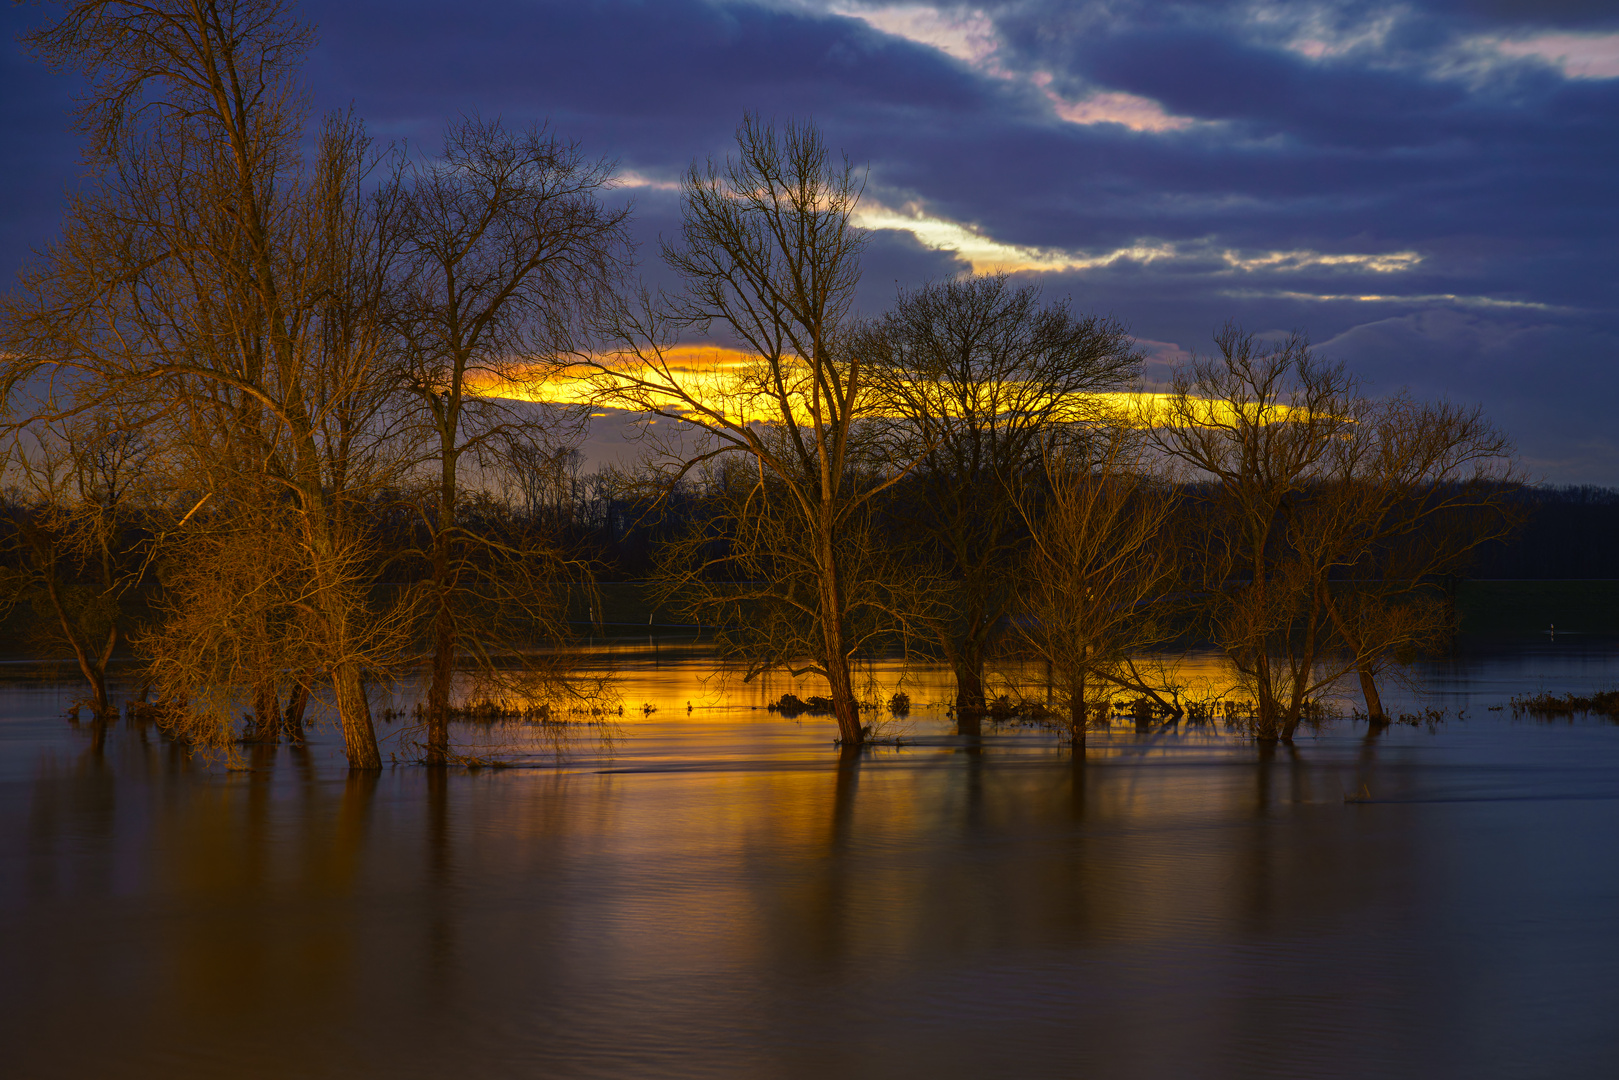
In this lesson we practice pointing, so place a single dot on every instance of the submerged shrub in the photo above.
(1601, 703)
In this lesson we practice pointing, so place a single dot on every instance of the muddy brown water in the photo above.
(715, 894)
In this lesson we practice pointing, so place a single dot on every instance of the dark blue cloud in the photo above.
(41, 160)
(1336, 128)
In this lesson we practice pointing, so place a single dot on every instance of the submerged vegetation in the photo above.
(1601, 703)
(278, 419)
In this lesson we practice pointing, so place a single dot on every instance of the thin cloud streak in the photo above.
(1577, 56)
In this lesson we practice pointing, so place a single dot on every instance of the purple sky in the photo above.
(1428, 188)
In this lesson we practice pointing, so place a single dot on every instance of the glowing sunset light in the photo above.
(720, 379)
(1113, 107)
(986, 255)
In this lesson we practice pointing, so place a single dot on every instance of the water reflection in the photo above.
(725, 896)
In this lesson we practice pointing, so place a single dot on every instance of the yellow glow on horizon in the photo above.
(713, 375)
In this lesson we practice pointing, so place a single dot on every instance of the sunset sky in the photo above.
(1429, 189)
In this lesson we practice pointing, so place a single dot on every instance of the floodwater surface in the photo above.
(714, 893)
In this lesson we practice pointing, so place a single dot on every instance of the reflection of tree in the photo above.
(885, 883)
(440, 886)
(71, 803)
(831, 909)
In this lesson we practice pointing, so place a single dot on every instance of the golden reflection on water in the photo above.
(672, 705)
(642, 677)
(722, 895)
(581, 914)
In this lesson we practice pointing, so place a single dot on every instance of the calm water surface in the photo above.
(716, 895)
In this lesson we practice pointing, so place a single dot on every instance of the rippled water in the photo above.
(716, 895)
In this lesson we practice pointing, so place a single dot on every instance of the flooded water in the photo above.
(715, 894)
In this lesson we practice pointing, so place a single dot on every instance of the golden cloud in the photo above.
(718, 379)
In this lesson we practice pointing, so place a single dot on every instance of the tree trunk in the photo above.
(359, 737)
(967, 664)
(844, 706)
(293, 720)
(1290, 723)
(438, 688)
(353, 708)
(93, 668)
(1368, 689)
(1143, 715)
(1295, 708)
(969, 671)
(98, 693)
(1078, 716)
(266, 713)
(1267, 724)
(966, 656)
(444, 635)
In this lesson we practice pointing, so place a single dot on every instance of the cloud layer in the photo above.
(1427, 187)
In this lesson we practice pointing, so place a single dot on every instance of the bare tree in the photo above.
(216, 276)
(1422, 486)
(545, 482)
(1260, 424)
(769, 254)
(1329, 514)
(982, 375)
(511, 252)
(81, 535)
(236, 631)
(741, 567)
(1097, 585)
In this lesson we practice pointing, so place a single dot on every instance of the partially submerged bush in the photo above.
(1002, 708)
(790, 705)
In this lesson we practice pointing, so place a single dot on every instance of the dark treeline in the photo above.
(1567, 532)
(623, 517)
(290, 413)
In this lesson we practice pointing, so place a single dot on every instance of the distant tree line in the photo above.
(1567, 532)
(271, 407)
